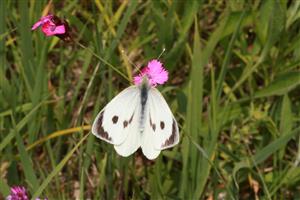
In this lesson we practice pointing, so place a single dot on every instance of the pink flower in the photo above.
(51, 25)
(17, 193)
(155, 72)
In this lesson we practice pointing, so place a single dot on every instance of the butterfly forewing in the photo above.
(133, 139)
(161, 130)
(166, 133)
(116, 121)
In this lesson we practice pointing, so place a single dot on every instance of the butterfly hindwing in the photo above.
(147, 139)
(114, 123)
(133, 139)
(161, 129)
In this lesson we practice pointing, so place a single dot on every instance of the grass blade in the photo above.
(26, 160)
(280, 86)
(57, 169)
(194, 113)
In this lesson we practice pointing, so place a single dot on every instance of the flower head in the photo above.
(17, 193)
(52, 25)
(155, 72)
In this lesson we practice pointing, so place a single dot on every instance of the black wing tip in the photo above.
(174, 138)
(98, 129)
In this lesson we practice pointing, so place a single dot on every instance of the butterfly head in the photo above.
(145, 83)
(154, 74)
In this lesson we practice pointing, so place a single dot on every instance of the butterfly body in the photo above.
(144, 90)
(137, 117)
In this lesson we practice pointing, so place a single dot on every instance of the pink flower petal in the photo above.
(137, 80)
(60, 29)
(48, 29)
(51, 29)
(155, 73)
(161, 77)
(41, 21)
(36, 25)
(17, 193)
(154, 66)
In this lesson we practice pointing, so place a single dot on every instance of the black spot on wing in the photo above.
(125, 124)
(130, 120)
(171, 140)
(99, 128)
(115, 119)
(162, 125)
(152, 125)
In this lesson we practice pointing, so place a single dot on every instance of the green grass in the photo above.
(233, 87)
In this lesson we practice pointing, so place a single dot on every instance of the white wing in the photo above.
(133, 139)
(117, 122)
(161, 129)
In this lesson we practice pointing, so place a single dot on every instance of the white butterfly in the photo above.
(137, 117)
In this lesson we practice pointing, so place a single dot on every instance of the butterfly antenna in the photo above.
(135, 66)
(162, 52)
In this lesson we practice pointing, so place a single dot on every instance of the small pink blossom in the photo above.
(17, 193)
(155, 72)
(51, 25)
